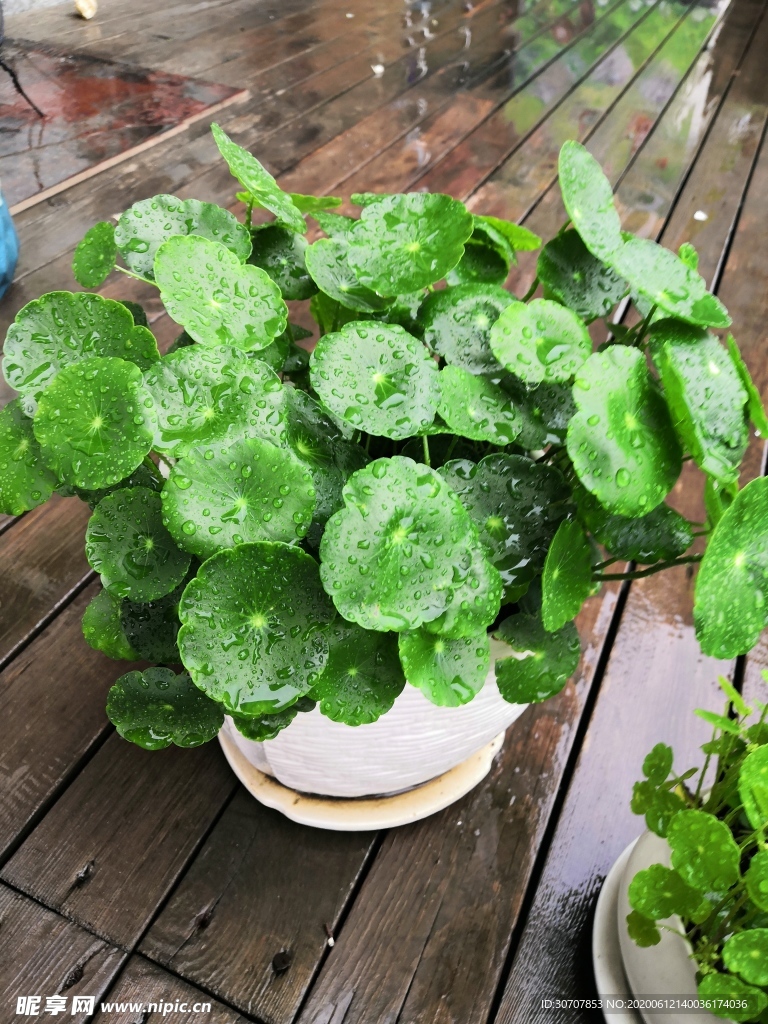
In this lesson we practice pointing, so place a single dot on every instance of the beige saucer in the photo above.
(362, 814)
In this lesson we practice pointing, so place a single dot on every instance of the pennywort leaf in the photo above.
(448, 672)
(567, 579)
(540, 341)
(281, 254)
(730, 995)
(261, 728)
(704, 853)
(588, 198)
(574, 277)
(95, 255)
(362, 677)
(328, 264)
(103, 628)
(156, 708)
(456, 323)
(25, 480)
(753, 787)
(659, 892)
(539, 662)
(475, 407)
(746, 954)
(754, 401)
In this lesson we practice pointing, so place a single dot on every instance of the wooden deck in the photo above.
(135, 876)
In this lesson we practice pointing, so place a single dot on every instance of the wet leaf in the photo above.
(516, 505)
(541, 662)
(156, 708)
(281, 253)
(258, 181)
(754, 401)
(688, 255)
(705, 396)
(151, 627)
(95, 255)
(545, 410)
(621, 440)
(519, 238)
(573, 276)
(127, 543)
(331, 315)
(266, 727)
(228, 494)
(327, 261)
(588, 198)
(448, 672)
(746, 954)
(456, 323)
(252, 627)
(63, 328)
(661, 535)
(756, 879)
(393, 555)
(704, 852)
(475, 600)
(25, 480)
(362, 678)
(540, 341)
(753, 787)
(666, 281)
(658, 764)
(475, 407)
(406, 242)
(567, 579)
(144, 227)
(726, 994)
(217, 299)
(730, 610)
(377, 377)
(103, 629)
(203, 394)
(659, 892)
(95, 422)
(642, 931)
(663, 808)
(335, 225)
(311, 204)
(481, 263)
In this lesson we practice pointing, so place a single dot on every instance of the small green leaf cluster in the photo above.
(715, 890)
(449, 463)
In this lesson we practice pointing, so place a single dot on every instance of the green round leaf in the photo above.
(746, 954)
(756, 879)
(540, 341)
(95, 255)
(643, 932)
(704, 852)
(663, 808)
(666, 281)
(456, 323)
(281, 253)
(95, 422)
(142, 476)
(330, 315)
(405, 242)
(544, 410)
(156, 708)
(573, 276)
(378, 378)
(252, 621)
(203, 394)
(621, 440)
(25, 480)
(753, 787)
(661, 535)
(475, 407)
(520, 239)
(265, 727)
(327, 261)
(567, 579)
(516, 505)
(475, 600)
(63, 328)
(334, 224)
(311, 204)
(217, 299)
(480, 264)
(727, 992)
(754, 400)
(393, 555)
(588, 198)
(151, 627)
(103, 629)
(128, 545)
(658, 764)
(144, 227)
(258, 181)
(541, 663)
(730, 609)
(448, 672)
(237, 493)
(658, 893)
(362, 678)
(705, 396)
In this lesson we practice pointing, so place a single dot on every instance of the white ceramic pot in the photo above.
(416, 741)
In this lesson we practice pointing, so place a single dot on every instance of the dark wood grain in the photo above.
(261, 884)
(112, 846)
(142, 984)
(51, 716)
(41, 953)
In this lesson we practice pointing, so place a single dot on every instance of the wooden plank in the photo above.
(42, 563)
(257, 866)
(51, 717)
(111, 848)
(655, 665)
(41, 953)
(143, 985)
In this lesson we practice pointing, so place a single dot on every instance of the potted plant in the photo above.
(406, 522)
(693, 909)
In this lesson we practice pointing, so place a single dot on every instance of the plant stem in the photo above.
(451, 446)
(426, 450)
(531, 291)
(157, 475)
(162, 458)
(130, 273)
(644, 326)
(603, 565)
(249, 213)
(641, 573)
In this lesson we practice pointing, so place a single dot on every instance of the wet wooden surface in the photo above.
(137, 877)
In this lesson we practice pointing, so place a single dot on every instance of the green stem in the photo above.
(644, 326)
(451, 446)
(531, 291)
(130, 273)
(603, 565)
(249, 213)
(641, 573)
(426, 450)
(156, 474)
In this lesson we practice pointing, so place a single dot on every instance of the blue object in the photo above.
(9, 247)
